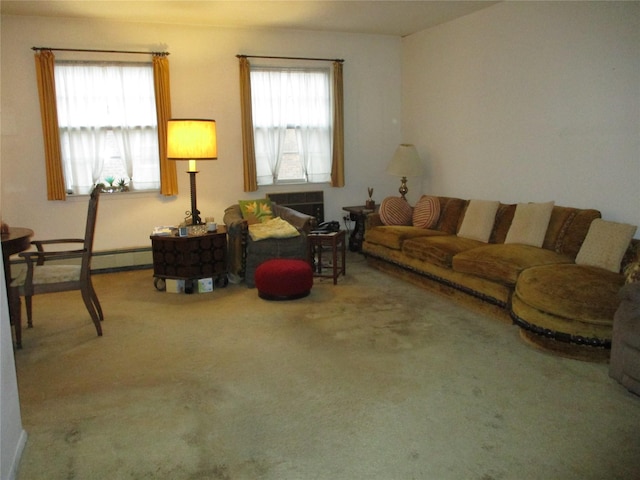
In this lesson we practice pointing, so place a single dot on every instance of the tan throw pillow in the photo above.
(530, 223)
(605, 244)
(395, 211)
(426, 212)
(479, 219)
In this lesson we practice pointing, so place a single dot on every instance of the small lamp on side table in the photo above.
(405, 163)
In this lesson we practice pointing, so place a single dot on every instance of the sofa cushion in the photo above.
(438, 250)
(426, 212)
(605, 244)
(555, 326)
(395, 211)
(503, 263)
(393, 236)
(504, 217)
(584, 293)
(568, 228)
(478, 221)
(451, 210)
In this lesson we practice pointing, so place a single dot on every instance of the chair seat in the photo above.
(48, 274)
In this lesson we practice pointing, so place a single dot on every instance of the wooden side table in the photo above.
(359, 215)
(336, 242)
(190, 258)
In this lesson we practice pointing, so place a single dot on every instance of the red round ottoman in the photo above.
(283, 279)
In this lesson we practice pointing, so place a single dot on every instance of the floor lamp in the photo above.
(192, 139)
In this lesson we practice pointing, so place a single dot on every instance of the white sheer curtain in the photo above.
(98, 100)
(291, 98)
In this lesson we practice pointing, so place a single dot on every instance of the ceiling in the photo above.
(398, 18)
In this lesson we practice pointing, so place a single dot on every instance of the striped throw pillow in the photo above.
(395, 211)
(426, 212)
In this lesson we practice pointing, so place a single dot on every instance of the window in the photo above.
(108, 125)
(292, 124)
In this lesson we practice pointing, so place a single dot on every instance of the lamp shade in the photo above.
(191, 139)
(405, 162)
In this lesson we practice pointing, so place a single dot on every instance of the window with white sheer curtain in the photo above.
(108, 124)
(292, 120)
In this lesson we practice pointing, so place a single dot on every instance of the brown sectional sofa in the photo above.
(557, 304)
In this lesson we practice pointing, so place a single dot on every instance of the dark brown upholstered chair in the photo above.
(41, 278)
(624, 364)
(245, 255)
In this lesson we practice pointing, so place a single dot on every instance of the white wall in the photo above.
(12, 435)
(530, 101)
(204, 83)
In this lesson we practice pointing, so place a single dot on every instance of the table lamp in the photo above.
(405, 163)
(192, 139)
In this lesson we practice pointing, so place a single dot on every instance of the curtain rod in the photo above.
(294, 58)
(164, 54)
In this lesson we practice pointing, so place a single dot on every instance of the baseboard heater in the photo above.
(311, 203)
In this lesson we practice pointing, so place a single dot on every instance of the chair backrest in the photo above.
(92, 214)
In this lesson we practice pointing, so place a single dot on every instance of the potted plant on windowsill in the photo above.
(110, 188)
(121, 186)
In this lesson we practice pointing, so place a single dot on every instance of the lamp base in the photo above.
(195, 213)
(403, 188)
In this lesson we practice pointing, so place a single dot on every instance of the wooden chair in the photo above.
(49, 278)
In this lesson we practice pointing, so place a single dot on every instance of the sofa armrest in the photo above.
(630, 292)
(233, 220)
(303, 222)
(237, 229)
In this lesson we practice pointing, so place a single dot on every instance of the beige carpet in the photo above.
(371, 379)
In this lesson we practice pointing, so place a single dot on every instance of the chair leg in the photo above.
(87, 297)
(16, 314)
(27, 302)
(96, 302)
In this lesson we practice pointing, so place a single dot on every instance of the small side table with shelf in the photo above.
(336, 242)
(358, 214)
(190, 258)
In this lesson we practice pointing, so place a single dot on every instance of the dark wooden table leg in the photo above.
(15, 314)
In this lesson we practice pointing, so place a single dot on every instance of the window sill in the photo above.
(128, 194)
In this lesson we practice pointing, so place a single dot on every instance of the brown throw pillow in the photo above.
(426, 212)
(395, 211)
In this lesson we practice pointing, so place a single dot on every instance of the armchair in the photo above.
(624, 364)
(244, 255)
